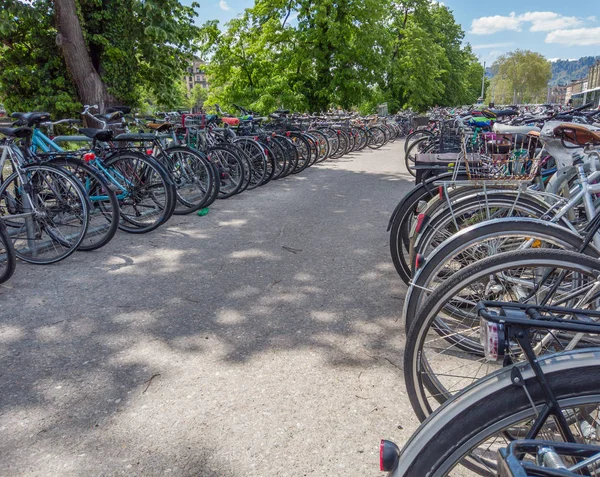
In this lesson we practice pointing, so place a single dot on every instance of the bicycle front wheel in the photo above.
(443, 353)
(7, 255)
(45, 211)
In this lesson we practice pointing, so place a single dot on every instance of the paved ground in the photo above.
(264, 339)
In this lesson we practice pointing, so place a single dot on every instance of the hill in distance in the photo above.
(564, 71)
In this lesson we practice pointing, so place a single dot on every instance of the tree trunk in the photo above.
(90, 87)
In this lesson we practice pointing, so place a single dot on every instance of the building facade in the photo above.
(590, 89)
(196, 74)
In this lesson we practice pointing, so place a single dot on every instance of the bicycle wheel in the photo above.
(7, 255)
(292, 155)
(488, 415)
(333, 140)
(147, 196)
(303, 150)
(471, 209)
(270, 161)
(48, 222)
(191, 172)
(322, 144)
(403, 218)
(342, 144)
(410, 156)
(435, 367)
(479, 242)
(231, 170)
(280, 155)
(377, 137)
(417, 134)
(102, 201)
(257, 158)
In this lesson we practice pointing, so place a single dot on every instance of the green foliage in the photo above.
(303, 55)
(139, 47)
(348, 53)
(522, 76)
(197, 97)
(32, 73)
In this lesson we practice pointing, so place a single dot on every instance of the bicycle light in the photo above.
(88, 157)
(492, 338)
(389, 454)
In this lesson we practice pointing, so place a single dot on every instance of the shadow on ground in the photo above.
(126, 361)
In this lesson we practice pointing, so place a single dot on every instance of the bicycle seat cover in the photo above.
(508, 129)
(231, 121)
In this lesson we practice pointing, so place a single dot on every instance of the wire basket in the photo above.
(194, 120)
(493, 157)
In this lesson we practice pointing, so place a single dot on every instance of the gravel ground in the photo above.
(262, 339)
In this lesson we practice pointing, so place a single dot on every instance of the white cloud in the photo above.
(577, 37)
(223, 5)
(548, 21)
(494, 24)
(539, 21)
(492, 45)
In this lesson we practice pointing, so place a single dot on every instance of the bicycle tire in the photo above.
(102, 202)
(423, 384)
(8, 258)
(60, 201)
(493, 405)
(148, 186)
(469, 239)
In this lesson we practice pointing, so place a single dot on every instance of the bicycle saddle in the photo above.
(121, 109)
(579, 134)
(16, 132)
(97, 134)
(31, 119)
(160, 127)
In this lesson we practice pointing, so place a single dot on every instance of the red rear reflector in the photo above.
(441, 192)
(420, 220)
(388, 455)
(149, 152)
(90, 156)
(419, 261)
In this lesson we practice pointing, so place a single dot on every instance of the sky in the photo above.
(558, 29)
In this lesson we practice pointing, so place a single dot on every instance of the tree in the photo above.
(197, 97)
(526, 74)
(345, 53)
(90, 87)
(109, 51)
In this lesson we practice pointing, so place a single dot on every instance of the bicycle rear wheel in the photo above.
(191, 172)
(103, 203)
(493, 412)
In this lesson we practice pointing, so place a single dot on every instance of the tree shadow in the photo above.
(106, 345)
